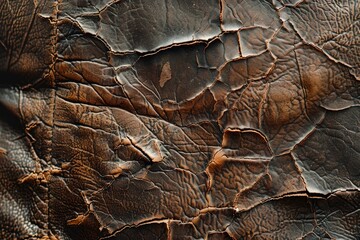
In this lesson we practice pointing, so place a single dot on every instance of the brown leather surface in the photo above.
(179, 119)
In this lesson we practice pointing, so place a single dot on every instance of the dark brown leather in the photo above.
(179, 119)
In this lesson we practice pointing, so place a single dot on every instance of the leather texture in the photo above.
(179, 119)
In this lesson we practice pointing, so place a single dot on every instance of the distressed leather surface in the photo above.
(179, 119)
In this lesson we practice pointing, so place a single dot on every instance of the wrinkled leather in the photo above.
(227, 119)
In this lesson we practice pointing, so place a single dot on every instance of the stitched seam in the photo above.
(54, 53)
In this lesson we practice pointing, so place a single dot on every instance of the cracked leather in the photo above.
(179, 119)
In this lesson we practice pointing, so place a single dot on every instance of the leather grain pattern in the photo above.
(179, 119)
